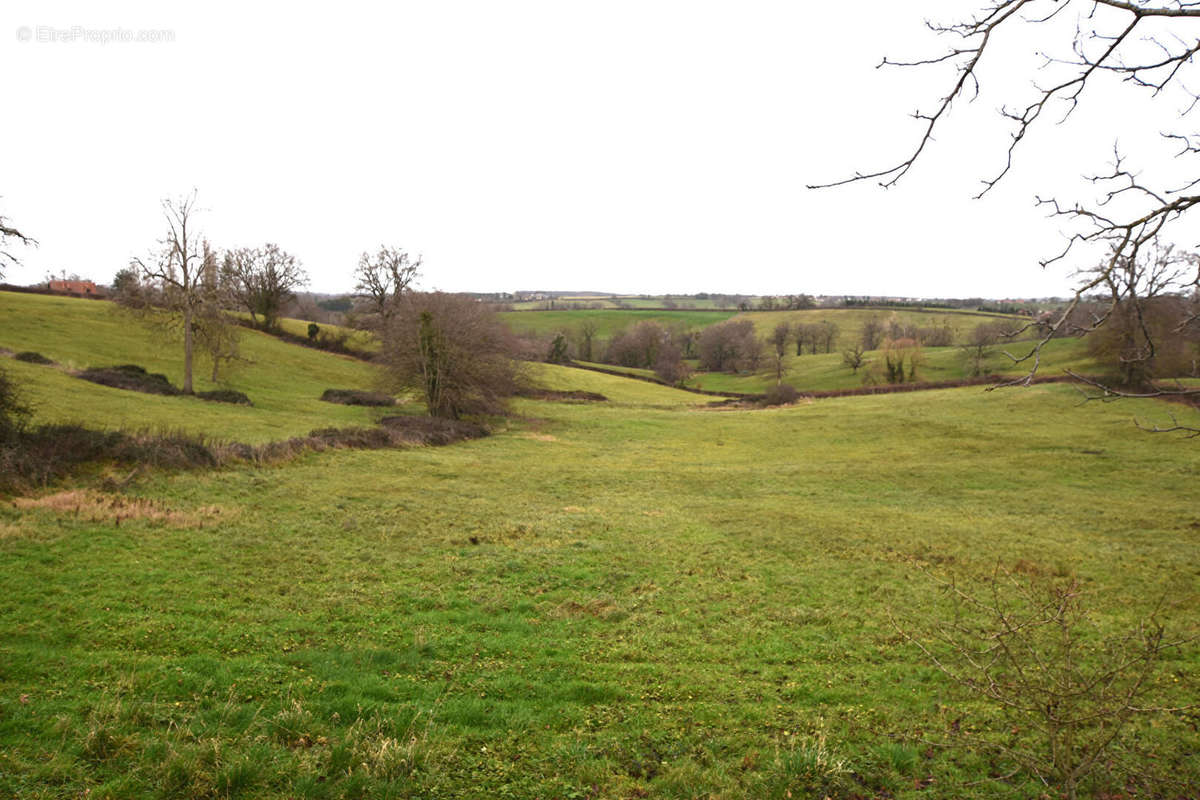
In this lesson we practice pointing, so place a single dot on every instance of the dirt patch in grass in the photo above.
(133, 378)
(599, 608)
(225, 396)
(30, 357)
(572, 396)
(96, 506)
(130, 377)
(540, 437)
(357, 397)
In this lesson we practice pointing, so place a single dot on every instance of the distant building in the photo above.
(84, 288)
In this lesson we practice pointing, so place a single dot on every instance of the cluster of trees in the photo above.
(730, 346)
(186, 287)
(790, 302)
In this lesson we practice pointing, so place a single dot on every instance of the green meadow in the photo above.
(850, 320)
(645, 597)
(827, 371)
(607, 321)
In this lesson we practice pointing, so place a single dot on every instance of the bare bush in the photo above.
(453, 350)
(1065, 691)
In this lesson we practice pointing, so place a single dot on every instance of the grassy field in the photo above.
(826, 371)
(283, 381)
(607, 322)
(355, 339)
(643, 597)
(850, 320)
(618, 301)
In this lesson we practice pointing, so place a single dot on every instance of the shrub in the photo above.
(454, 350)
(1061, 691)
(225, 396)
(314, 330)
(780, 395)
(31, 357)
(558, 350)
(357, 397)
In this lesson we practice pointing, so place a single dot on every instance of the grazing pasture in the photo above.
(607, 321)
(644, 596)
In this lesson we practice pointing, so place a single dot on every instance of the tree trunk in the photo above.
(187, 347)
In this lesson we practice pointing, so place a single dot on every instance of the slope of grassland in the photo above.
(633, 598)
(850, 320)
(827, 371)
(607, 321)
(284, 381)
(363, 341)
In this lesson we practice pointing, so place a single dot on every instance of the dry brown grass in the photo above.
(96, 506)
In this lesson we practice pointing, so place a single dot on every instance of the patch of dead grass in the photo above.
(96, 506)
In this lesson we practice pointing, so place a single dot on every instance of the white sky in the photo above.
(617, 146)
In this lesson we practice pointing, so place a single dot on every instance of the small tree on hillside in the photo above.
(175, 272)
(452, 349)
(558, 350)
(587, 335)
(778, 340)
(382, 280)
(261, 280)
(669, 366)
(901, 357)
(872, 333)
(853, 357)
(980, 342)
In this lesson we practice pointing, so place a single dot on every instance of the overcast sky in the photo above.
(617, 146)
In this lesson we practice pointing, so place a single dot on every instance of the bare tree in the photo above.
(10, 235)
(176, 271)
(827, 334)
(779, 338)
(587, 335)
(980, 342)
(873, 331)
(381, 282)
(1147, 45)
(853, 357)
(261, 280)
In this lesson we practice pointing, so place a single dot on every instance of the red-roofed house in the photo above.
(85, 288)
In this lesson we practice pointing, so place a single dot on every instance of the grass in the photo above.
(634, 598)
(283, 381)
(850, 320)
(826, 371)
(607, 321)
(364, 341)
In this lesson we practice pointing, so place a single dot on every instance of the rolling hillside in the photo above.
(640, 597)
